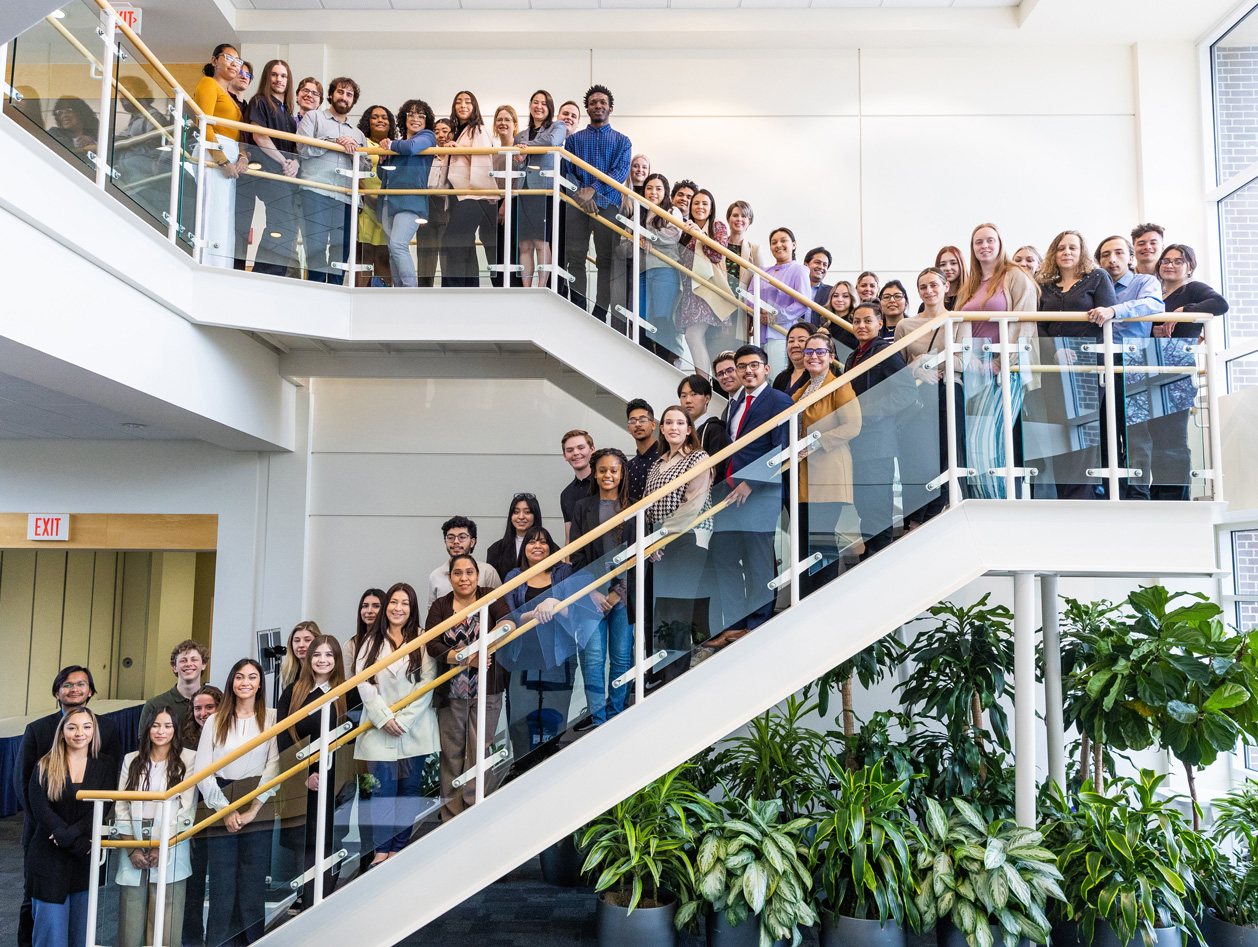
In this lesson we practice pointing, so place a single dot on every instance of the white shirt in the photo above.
(439, 578)
(263, 761)
(133, 817)
(741, 406)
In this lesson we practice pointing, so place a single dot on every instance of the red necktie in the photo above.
(729, 477)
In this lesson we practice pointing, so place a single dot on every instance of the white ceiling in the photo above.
(603, 4)
(30, 411)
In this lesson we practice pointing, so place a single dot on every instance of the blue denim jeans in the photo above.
(657, 294)
(60, 924)
(607, 654)
(401, 228)
(400, 783)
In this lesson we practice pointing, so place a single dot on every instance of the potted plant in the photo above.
(642, 848)
(983, 881)
(561, 863)
(862, 858)
(753, 883)
(1125, 858)
(1229, 883)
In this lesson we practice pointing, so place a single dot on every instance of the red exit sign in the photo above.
(132, 16)
(48, 527)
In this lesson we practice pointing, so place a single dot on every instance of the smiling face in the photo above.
(950, 265)
(570, 115)
(781, 246)
(818, 266)
(1114, 258)
(840, 298)
(676, 427)
(277, 80)
(537, 108)
(463, 106)
(1148, 247)
(681, 200)
(242, 80)
(1068, 252)
(504, 123)
(1173, 268)
(245, 682)
(227, 65)
(369, 610)
(695, 405)
(638, 170)
(726, 373)
(795, 340)
(536, 550)
(521, 517)
(301, 642)
(75, 691)
(599, 108)
(576, 451)
(415, 121)
(378, 122)
(816, 356)
(341, 100)
(866, 324)
(653, 191)
(641, 425)
(932, 289)
(399, 609)
(607, 474)
(867, 288)
(78, 731)
(459, 541)
(322, 660)
(893, 302)
(188, 665)
(738, 222)
(753, 371)
(202, 706)
(308, 97)
(463, 578)
(1027, 259)
(444, 134)
(162, 729)
(986, 246)
(700, 209)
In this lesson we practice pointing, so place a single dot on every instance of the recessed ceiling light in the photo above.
(255, 166)
(133, 425)
(275, 234)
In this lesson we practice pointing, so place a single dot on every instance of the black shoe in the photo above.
(584, 725)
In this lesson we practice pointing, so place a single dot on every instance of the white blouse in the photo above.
(132, 818)
(261, 761)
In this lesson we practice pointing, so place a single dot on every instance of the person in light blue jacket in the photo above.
(404, 214)
(541, 131)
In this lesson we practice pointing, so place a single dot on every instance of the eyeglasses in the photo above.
(233, 60)
(749, 366)
(816, 352)
(726, 371)
(246, 75)
(647, 420)
(307, 91)
(1176, 263)
(523, 496)
(458, 537)
(892, 297)
(75, 686)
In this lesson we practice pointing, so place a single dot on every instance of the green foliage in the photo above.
(645, 840)
(1126, 857)
(875, 741)
(1229, 883)
(868, 667)
(975, 771)
(979, 873)
(750, 865)
(779, 758)
(861, 850)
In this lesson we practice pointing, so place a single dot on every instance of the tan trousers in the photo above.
(456, 722)
(136, 906)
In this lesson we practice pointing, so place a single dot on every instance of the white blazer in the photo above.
(417, 719)
(132, 817)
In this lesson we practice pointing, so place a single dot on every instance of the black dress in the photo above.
(1090, 291)
(58, 858)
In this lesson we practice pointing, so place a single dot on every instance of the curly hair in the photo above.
(611, 99)
(1050, 272)
(364, 123)
(422, 107)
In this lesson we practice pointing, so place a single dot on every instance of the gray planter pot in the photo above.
(1222, 934)
(645, 927)
(1065, 934)
(952, 936)
(1166, 937)
(840, 931)
(561, 864)
(746, 934)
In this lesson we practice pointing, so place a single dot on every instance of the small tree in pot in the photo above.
(1229, 882)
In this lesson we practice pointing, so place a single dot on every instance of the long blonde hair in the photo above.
(305, 680)
(54, 766)
(974, 276)
(290, 667)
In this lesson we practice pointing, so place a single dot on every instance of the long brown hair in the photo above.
(852, 298)
(290, 91)
(379, 632)
(974, 276)
(225, 715)
(137, 772)
(290, 667)
(305, 682)
(54, 766)
(692, 441)
(961, 275)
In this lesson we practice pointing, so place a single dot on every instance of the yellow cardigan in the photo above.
(827, 471)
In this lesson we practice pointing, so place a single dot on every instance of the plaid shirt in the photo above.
(606, 149)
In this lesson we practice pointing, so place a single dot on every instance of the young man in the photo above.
(599, 145)
(327, 212)
(694, 394)
(72, 688)
(744, 530)
(1148, 240)
(641, 423)
(818, 260)
(577, 446)
(188, 660)
(309, 96)
(459, 534)
(726, 375)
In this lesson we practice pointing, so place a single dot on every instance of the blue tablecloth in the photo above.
(127, 721)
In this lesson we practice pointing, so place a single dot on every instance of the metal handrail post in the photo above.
(163, 860)
(950, 411)
(93, 884)
(321, 826)
(198, 237)
(1006, 402)
(640, 613)
(103, 140)
(1110, 402)
(635, 290)
(555, 207)
(482, 689)
(506, 222)
(793, 535)
(1214, 387)
(351, 251)
(176, 166)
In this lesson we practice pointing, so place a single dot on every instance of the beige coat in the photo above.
(826, 475)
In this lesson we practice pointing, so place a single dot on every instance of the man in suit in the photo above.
(743, 532)
(818, 261)
(73, 687)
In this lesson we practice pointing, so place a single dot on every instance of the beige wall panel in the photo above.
(171, 621)
(100, 651)
(46, 616)
(1013, 171)
(17, 594)
(76, 625)
(203, 606)
(706, 82)
(1017, 80)
(133, 627)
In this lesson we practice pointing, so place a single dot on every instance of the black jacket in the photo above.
(1089, 292)
(1194, 296)
(501, 556)
(714, 437)
(37, 740)
(58, 858)
(877, 437)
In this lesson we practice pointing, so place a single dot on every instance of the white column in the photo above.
(482, 688)
(321, 827)
(1110, 406)
(163, 860)
(1214, 390)
(1024, 697)
(106, 124)
(1053, 717)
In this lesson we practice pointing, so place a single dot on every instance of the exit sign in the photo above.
(48, 527)
(130, 15)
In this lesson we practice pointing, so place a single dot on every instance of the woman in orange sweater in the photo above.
(224, 163)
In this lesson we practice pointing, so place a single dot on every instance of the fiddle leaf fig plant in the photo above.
(980, 874)
(751, 866)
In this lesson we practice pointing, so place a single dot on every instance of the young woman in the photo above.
(523, 514)
(456, 699)
(702, 307)
(611, 641)
(657, 281)
(1070, 281)
(239, 845)
(1182, 293)
(795, 375)
(272, 106)
(58, 863)
(399, 743)
(841, 302)
(74, 125)
(218, 192)
(544, 130)
(867, 287)
(405, 214)
(1029, 259)
(160, 762)
(795, 275)
(622, 273)
(893, 300)
(505, 126)
(951, 263)
(370, 604)
(681, 580)
(430, 236)
(204, 703)
(739, 217)
(321, 671)
(470, 215)
(378, 127)
(827, 517)
(993, 284)
(299, 640)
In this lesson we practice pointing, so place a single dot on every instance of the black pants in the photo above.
(459, 265)
(194, 893)
(875, 502)
(580, 228)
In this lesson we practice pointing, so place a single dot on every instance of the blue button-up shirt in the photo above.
(606, 149)
(1139, 294)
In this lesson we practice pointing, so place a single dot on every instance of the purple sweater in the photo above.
(796, 276)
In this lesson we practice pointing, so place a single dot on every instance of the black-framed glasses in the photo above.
(726, 371)
(816, 352)
(458, 537)
(749, 366)
(1180, 262)
(892, 297)
(647, 420)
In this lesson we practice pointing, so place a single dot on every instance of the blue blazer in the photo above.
(410, 170)
(750, 463)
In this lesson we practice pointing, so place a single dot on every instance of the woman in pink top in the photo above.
(993, 284)
(469, 214)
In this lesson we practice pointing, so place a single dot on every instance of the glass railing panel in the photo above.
(1165, 426)
(1062, 424)
(186, 157)
(126, 910)
(145, 136)
(56, 68)
(532, 217)
(983, 412)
